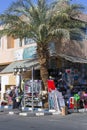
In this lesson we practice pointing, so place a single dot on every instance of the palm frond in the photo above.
(41, 20)
(60, 33)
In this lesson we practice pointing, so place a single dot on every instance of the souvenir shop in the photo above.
(67, 85)
(71, 81)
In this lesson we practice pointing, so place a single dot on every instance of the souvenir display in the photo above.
(71, 83)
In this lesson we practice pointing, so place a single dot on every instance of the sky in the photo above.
(5, 3)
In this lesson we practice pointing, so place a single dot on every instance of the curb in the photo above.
(33, 109)
(36, 111)
(78, 111)
(33, 114)
(28, 111)
(82, 110)
(6, 107)
(40, 113)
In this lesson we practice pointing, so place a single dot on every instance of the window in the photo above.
(52, 48)
(20, 43)
(10, 42)
(28, 41)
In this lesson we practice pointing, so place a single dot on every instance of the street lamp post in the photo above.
(18, 72)
(32, 88)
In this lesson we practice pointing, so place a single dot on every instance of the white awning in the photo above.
(27, 63)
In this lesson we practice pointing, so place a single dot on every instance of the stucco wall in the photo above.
(7, 55)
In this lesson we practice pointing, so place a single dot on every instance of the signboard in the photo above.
(30, 52)
(26, 53)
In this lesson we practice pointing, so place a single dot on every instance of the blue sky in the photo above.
(5, 3)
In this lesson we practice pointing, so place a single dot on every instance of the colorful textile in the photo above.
(76, 97)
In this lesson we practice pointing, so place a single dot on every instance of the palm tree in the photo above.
(43, 21)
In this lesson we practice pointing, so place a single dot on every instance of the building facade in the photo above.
(13, 51)
(16, 53)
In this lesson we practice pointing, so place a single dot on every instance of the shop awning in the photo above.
(74, 59)
(34, 63)
(27, 63)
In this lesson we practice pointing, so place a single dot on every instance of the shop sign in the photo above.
(30, 52)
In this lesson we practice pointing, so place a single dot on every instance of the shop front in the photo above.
(71, 80)
(9, 78)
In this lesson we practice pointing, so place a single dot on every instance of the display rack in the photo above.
(28, 93)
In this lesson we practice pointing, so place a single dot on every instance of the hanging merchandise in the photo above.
(51, 85)
(71, 100)
(76, 97)
(37, 86)
(53, 102)
(56, 100)
(18, 80)
(31, 92)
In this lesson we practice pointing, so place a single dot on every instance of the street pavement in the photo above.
(75, 121)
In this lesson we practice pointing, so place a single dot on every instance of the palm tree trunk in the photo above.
(44, 76)
(43, 57)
